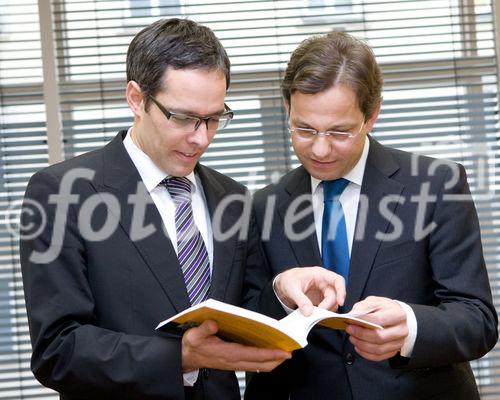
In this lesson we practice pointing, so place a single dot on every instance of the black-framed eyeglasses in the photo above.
(191, 123)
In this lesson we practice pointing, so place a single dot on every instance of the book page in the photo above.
(301, 325)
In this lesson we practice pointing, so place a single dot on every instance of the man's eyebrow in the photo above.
(299, 121)
(342, 127)
(335, 127)
(218, 112)
(193, 114)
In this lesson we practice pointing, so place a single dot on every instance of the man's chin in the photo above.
(179, 170)
(323, 171)
(324, 175)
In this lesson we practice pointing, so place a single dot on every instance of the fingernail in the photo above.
(306, 310)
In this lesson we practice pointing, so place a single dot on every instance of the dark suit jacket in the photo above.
(441, 275)
(92, 311)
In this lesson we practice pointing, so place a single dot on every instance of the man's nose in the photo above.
(321, 146)
(201, 135)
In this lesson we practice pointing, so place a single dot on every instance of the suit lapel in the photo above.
(121, 178)
(223, 249)
(298, 189)
(377, 184)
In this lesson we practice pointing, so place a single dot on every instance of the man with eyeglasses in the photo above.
(129, 237)
(402, 230)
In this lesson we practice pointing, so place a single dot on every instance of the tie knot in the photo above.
(332, 189)
(179, 188)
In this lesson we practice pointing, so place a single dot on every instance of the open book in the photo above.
(254, 329)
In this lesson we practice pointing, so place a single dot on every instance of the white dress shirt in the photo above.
(349, 198)
(152, 176)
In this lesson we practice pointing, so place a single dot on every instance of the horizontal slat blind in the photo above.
(438, 61)
(23, 150)
(440, 98)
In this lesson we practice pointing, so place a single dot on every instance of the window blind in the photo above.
(23, 150)
(440, 99)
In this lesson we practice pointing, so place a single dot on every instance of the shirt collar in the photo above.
(150, 173)
(355, 175)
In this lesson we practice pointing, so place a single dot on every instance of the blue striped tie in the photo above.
(191, 250)
(334, 245)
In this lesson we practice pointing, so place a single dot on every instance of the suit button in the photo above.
(349, 359)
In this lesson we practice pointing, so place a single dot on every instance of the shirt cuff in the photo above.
(411, 321)
(191, 377)
(287, 309)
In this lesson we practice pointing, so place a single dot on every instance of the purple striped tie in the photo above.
(191, 250)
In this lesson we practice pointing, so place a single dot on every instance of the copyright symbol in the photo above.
(20, 219)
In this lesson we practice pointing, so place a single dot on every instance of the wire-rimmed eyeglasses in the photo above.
(334, 136)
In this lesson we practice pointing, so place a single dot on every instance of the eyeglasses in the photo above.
(334, 136)
(191, 123)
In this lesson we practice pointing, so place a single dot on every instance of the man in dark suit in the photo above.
(402, 229)
(99, 272)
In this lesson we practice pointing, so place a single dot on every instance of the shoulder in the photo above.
(289, 181)
(410, 166)
(90, 165)
(83, 166)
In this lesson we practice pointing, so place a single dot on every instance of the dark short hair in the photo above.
(336, 58)
(176, 43)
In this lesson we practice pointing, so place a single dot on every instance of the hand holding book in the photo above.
(202, 348)
(396, 336)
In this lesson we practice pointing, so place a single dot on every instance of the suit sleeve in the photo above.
(462, 325)
(71, 353)
(259, 294)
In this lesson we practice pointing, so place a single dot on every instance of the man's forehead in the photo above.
(171, 74)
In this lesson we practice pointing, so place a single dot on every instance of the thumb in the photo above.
(330, 300)
(208, 327)
(198, 334)
(305, 305)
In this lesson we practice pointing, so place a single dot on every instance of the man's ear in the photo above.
(286, 104)
(373, 118)
(135, 98)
